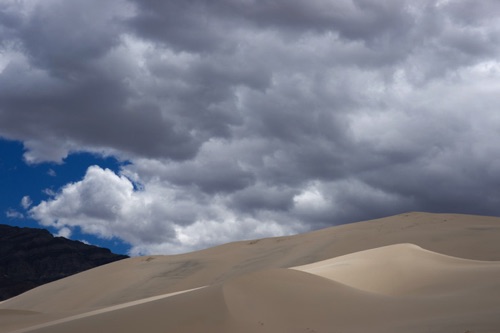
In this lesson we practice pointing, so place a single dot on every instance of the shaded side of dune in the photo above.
(289, 301)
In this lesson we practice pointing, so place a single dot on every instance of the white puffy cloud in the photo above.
(14, 214)
(64, 232)
(153, 218)
(26, 202)
(106, 205)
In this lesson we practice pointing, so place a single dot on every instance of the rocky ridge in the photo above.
(31, 257)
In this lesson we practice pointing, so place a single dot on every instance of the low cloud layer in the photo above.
(245, 119)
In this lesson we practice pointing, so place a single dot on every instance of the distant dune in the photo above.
(414, 272)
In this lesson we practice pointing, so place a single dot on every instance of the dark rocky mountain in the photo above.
(31, 257)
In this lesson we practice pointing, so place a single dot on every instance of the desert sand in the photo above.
(414, 272)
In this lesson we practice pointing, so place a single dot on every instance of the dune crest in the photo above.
(404, 269)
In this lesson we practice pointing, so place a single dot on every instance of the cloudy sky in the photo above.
(169, 126)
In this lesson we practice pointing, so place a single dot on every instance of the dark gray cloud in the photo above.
(246, 118)
(254, 199)
(200, 25)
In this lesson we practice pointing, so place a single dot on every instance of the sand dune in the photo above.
(413, 272)
(405, 269)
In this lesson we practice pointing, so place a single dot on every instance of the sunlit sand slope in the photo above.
(417, 291)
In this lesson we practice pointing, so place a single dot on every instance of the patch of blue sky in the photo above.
(37, 182)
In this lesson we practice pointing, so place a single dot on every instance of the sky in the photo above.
(161, 127)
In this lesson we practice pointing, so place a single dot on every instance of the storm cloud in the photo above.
(252, 118)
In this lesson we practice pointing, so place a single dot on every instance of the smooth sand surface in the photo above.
(405, 269)
(414, 272)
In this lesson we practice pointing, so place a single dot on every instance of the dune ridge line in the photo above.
(104, 310)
